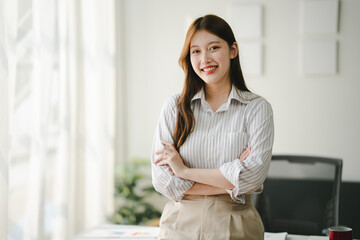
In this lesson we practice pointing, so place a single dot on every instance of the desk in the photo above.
(121, 232)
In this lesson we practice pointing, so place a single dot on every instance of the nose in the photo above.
(206, 58)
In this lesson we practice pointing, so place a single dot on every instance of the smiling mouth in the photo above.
(208, 69)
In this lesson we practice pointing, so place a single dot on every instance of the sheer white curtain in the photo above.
(57, 171)
(4, 126)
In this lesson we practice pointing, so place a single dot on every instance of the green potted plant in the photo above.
(133, 189)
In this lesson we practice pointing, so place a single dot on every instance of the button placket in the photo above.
(212, 139)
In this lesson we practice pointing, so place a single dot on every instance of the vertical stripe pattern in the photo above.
(217, 141)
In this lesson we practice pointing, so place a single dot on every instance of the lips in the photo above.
(209, 69)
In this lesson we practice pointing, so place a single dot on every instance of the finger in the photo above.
(247, 152)
(162, 163)
(170, 145)
(159, 159)
(246, 155)
(165, 143)
(243, 154)
(163, 151)
(160, 151)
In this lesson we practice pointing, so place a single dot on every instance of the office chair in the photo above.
(301, 195)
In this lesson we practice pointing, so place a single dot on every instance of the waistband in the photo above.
(220, 197)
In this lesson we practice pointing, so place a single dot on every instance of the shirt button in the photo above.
(211, 135)
(210, 158)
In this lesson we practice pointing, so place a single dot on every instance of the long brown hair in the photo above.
(185, 121)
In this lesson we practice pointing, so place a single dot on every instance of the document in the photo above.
(120, 232)
(275, 236)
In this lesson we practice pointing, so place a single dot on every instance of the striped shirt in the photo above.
(217, 141)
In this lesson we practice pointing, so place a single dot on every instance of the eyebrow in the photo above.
(208, 44)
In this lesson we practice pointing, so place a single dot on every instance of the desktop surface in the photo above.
(114, 231)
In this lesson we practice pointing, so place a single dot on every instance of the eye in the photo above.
(214, 47)
(195, 51)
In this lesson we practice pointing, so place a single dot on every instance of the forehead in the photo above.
(204, 37)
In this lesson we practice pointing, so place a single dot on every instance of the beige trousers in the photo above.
(210, 218)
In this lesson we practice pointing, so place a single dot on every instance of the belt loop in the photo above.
(248, 199)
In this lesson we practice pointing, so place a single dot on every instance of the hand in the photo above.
(245, 154)
(171, 157)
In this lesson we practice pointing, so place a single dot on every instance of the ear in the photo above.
(234, 50)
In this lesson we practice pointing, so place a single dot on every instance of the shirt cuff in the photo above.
(231, 171)
(234, 194)
(177, 187)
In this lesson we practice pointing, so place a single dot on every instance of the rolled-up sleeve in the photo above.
(163, 180)
(248, 176)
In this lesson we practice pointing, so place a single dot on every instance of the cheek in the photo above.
(223, 58)
(225, 61)
(194, 63)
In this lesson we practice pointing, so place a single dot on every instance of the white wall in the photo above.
(313, 115)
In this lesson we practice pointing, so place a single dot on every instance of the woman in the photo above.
(213, 144)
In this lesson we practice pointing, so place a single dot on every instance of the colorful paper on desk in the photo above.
(123, 232)
(275, 236)
(318, 238)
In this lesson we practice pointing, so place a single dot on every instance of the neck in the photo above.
(217, 93)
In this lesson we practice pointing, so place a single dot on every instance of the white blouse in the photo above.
(217, 141)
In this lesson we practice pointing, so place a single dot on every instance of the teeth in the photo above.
(208, 69)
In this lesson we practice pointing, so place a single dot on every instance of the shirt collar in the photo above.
(199, 95)
(240, 96)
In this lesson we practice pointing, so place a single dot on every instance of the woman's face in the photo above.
(210, 57)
